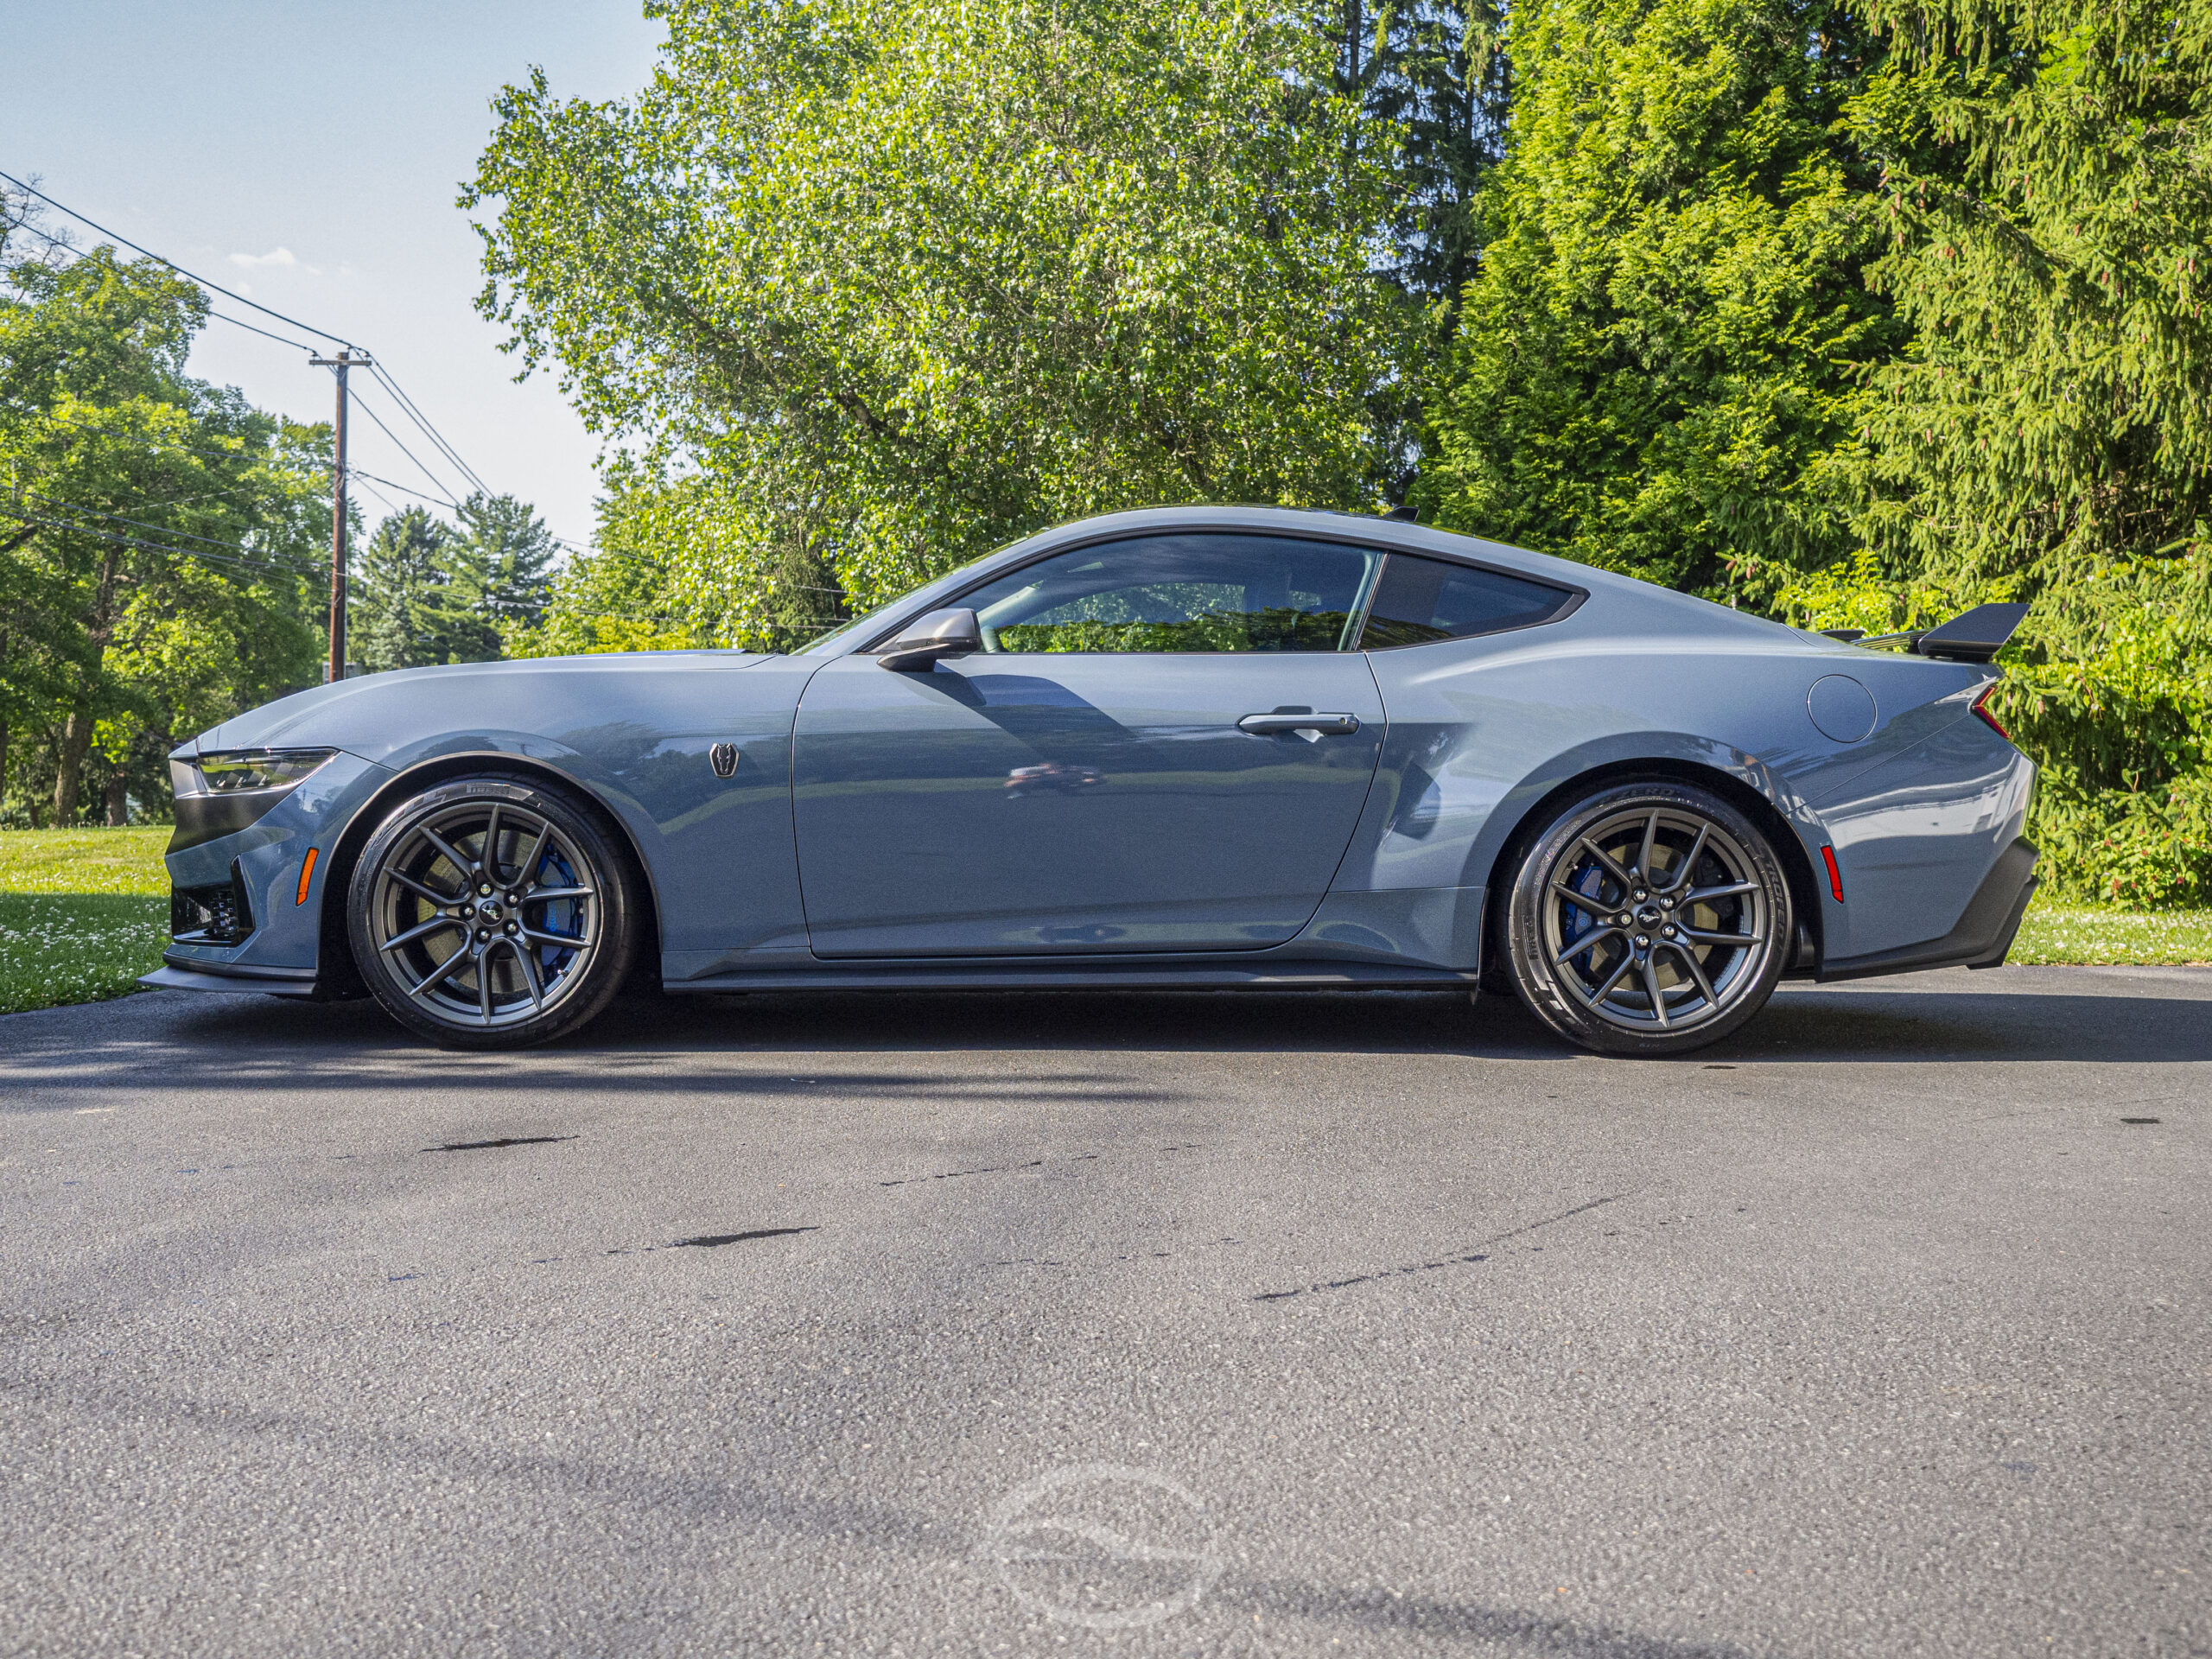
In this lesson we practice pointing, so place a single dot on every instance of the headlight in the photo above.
(219, 794)
(244, 770)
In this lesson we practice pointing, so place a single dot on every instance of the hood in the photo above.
(299, 717)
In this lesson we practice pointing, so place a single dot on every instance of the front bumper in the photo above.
(275, 982)
(262, 863)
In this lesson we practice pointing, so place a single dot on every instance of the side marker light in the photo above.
(1835, 875)
(307, 874)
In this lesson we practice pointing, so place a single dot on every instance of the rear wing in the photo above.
(1974, 636)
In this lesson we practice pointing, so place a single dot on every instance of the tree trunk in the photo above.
(118, 799)
(77, 735)
(3, 765)
(69, 770)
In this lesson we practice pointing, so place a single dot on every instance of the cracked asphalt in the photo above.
(1134, 1324)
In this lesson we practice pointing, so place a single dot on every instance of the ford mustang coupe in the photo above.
(1194, 748)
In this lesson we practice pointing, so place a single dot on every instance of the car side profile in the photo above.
(1191, 747)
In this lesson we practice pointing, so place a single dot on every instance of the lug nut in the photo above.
(1669, 931)
(1642, 942)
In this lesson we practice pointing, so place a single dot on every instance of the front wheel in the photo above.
(492, 913)
(1647, 919)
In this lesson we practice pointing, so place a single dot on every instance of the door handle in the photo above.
(1312, 727)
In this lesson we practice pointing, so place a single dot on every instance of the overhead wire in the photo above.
(295, 323)
(384, 378)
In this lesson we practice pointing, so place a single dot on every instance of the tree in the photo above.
(501, 561)
(159, 533)
(406, 612)
(896, 282)
(1666, 342)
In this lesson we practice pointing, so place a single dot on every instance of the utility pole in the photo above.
(347, 358)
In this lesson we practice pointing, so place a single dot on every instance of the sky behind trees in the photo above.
(338, 134)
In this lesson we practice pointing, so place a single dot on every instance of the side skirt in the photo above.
(1120, 974)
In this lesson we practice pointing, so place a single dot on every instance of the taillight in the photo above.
(1981, 708)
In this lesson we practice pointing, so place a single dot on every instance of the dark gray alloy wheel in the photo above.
(491, 913)
(1648, 919)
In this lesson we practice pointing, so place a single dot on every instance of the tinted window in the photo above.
(1193, 593)
(1420, 600)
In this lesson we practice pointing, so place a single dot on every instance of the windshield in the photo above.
(860, 624)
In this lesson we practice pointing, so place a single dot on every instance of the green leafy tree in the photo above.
(159, 570)
(894, 283)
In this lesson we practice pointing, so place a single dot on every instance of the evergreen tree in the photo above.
(404, 609)
(1666, 342)
(501, 562)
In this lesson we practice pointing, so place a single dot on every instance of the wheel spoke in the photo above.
(1643, 857)
(529, 867)
(561, 939)
(448, 853)
(1628, 885)
(1697, 972)
(459, 959)
(414, 933)
(1581, 900)
(1573, 950)
(1705, 895)
(1704, 937)
(530, 976)
(427, 891)
(491, 860)
(1651, 989)
(1627, 962)
(484, 983)
(1690, 864)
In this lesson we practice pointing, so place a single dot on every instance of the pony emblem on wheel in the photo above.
(1191, 748)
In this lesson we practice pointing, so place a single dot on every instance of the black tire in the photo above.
(506, 955)
(1621, 944)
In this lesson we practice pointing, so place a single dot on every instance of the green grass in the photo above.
(2058, 933)
(83, 912)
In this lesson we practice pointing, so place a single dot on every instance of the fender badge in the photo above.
(723, 758)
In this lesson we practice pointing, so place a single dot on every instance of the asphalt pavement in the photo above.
(1124, 1325)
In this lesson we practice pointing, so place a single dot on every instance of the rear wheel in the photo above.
(492, 913)
(1648, 919)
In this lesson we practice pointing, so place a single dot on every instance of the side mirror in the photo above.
(939, 633)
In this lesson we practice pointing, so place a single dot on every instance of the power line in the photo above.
(136, 524)
(160, 547)
(173, 265)
(407, 404)
(404, 450)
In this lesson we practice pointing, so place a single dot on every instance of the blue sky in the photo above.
(308, 155)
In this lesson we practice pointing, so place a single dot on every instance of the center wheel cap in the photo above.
(1647, 917)
(489, 911)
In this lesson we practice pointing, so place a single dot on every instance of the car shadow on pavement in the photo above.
(2035, 1014)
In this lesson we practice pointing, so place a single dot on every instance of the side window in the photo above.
(1421, 600)
(1201, 592)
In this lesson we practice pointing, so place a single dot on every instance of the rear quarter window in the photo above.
(1420, 600)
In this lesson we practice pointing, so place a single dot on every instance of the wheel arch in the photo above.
(1544, 808)
(337, 974)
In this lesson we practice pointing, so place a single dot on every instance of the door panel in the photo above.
(1009, 803)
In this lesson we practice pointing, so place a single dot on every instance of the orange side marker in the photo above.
(307, 874)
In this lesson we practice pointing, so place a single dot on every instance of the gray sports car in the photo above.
(1191, 747)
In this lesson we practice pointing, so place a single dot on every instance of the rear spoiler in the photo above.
(1974, 636)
